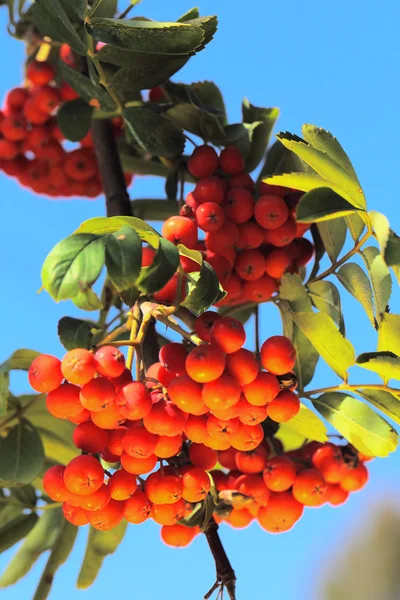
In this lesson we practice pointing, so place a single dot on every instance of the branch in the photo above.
(226, 577)
(112, 176)
(346, 387)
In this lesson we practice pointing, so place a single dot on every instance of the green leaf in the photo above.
(293, 292)
(74, 119)
(290, 439)
(196, 517)
(87, 300)
(86, 89)
(39, 539)
(154, 132)
(265, 119)
(20, 360)
(323, 140)
(56, 434)
(78, 8)
(193, 13)
(22, 455)
(58, 556)
(353, 278)
(380, 279)
(196, 121)
(321, 330)
(384, 401)
(326, 298)
(321, 204)
(389, 334)
(333, 235)
(75, 333)
(392, 251)
(358, 423)
(15, 530)
(345, 184)
(163, 267)
(123, 257)
(280, 160)
(319, 250)
(100, 544)
(356, 225)
(242, 312)
(308, 425)
(150, 37)
(104, 8)
(209, 26)
(145, 70)
(204, 288)
(385, 364)
(50, 17)
(73, 265)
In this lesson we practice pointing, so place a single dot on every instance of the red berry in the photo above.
(203, 162)
(180, 230)
(231, 161)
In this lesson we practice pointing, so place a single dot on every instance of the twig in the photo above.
(343, 387)
(226, 577)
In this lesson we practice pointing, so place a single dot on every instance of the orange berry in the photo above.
(242, 366)
(221, 393)
(115, 438)
(97, 500)
(173, 358)
(138, 466)
(205, 363)
(285, 406)
(109, 418)
(139, 443)
(251, 462)
(331, 469)
(180, 230)
(310, 487)
(239, 518)
(137, 508)
(250, 414)
(335, 495)
(81, 417)
(278, 355)
(251, 236)
(83, 475)
(186, 394)
(196, 428)
(227, 458)
(271, 212)
(39, 73)
(169, 514)
(108, 517)
(53, 484)
(196, 485)
(219, 429)
(78, 366)
(228, 334)
(260, 290)
(133, 401)
(279, 474)
(178, 535)
(254, 487)
(168, 446)
(163, 489)
(281, 236)
(281, 514)
(165, 419)
(262, 390)
(89, 438)
(353, 479)
(277, 263)
(247, 437)
(97, 394)
(75, 515)
(203, 457)
(64, 402)
(44, 374)
(122, 485)
(110, 362)
(204, 323)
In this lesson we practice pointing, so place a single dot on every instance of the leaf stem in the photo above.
(226, 578)
(344, 258)
(351, 387)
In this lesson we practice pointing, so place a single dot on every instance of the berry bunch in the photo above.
(274, 490)
(31, 143)
(190, 410)
(251, 235)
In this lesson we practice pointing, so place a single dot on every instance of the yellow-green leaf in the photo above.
(307, 424)
(384, 401)
(353, 278)
(323, 140)
(380, 279)
(321, 330)
(389, 334)
(385, 364)
(358, 423)
(322, 204)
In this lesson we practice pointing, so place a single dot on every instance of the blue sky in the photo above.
(330, 64)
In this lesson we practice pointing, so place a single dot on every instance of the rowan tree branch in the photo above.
(226, 578)
(111, 173)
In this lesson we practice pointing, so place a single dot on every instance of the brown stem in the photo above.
(226, 577)
(112, 176)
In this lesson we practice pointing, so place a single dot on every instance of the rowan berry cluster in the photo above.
(251, 235)
(272, 488)
(193, 406)
(31, 143)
